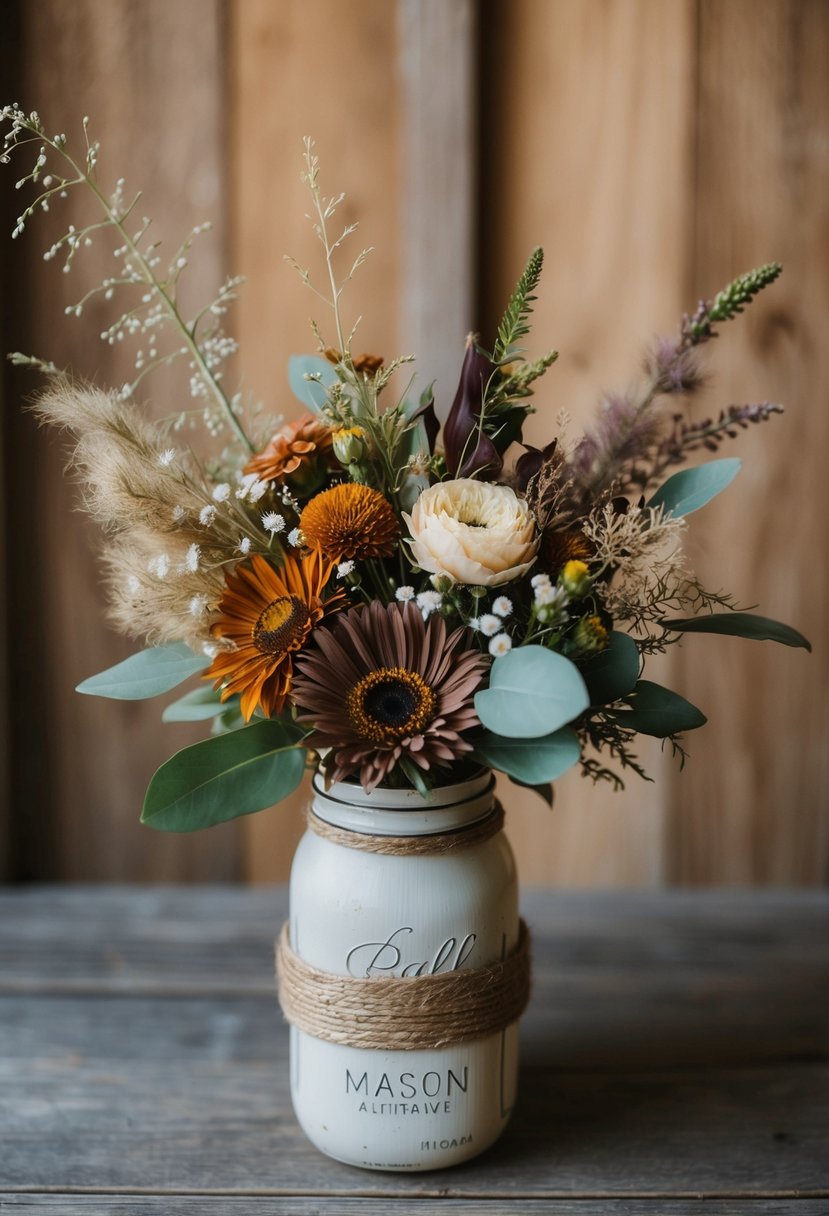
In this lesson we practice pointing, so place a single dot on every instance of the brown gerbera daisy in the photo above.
(301, 451)
(267, 615)
(350, 521)
(383, 686)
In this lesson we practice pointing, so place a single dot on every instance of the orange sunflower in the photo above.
(350, 521)
(268, 615)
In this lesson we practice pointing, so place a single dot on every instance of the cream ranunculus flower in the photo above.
(477, 533)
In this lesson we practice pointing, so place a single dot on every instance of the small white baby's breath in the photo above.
(207, 515)
(178, 513)
(198, 605)
(272, 522)
(344, 568)
(133, 584)
(429, 602)
(548, 594)
(502, 606)
(540, 580)
(474, 624)
(166, 458)
(489, 625)
(191, 562)
(500, 645)
(404, 594)
(295, 538)
(221, 492)
(244, 545)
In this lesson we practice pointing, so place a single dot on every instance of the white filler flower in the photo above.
(477, 533)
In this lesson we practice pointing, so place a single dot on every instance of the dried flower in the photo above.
(302, 452)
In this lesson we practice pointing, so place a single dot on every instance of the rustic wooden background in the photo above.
(655, 148)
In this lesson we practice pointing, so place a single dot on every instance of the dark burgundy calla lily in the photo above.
(468, 450)
(530, 462)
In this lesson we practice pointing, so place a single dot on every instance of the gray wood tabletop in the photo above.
(675, 1050)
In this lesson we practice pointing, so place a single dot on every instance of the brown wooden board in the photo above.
(752, 805)
(211, 1205)
(675, 1046)
(150, 76)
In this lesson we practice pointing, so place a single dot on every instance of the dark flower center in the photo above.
(389, 704)
(282, 625)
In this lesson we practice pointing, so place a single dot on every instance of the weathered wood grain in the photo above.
(586, 149)
(753, 805)
(184, 1205)
(118, 1123)
(675, 1045)
(150, 76)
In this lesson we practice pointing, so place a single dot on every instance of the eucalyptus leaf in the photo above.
(691, 489)
(658, 711)
(740, 625)
(531, 762)
(311, 393)
(532, 692)
(613, 672)
(146, 674)
(224, 777)
(230, 718)
(197, 706)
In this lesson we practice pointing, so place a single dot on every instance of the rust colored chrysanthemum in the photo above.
(301, 450)
(383, 685)
(267, 615)
(368, 364)
(350, 521)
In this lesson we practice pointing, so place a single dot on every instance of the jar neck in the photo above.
(386, 812)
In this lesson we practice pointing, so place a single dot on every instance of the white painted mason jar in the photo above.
(358, 913)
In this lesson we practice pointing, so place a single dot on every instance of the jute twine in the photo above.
(411, 846)
(404, 1014)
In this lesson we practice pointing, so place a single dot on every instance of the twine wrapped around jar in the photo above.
(405, 1013)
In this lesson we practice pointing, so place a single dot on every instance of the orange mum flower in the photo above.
(350, 521)
(268, 614)
(302, 449)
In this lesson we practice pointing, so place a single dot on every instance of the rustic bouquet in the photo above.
(362, 589)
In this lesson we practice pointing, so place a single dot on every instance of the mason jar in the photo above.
(363, 914)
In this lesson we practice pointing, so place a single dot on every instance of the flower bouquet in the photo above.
(362, 589)
(403, 607)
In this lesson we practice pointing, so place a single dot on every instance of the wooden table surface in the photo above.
(675, 1049)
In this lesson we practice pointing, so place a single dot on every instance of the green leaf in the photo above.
(658, 711)
(691, 489)
(229, 719)
(740, 625)
(613, 672)
(224, 777)
(146, 674)
(544, 791)
(531, 762)
(195, 706)
(311, 393)
(532, 692)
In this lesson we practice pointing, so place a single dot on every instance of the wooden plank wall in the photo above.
(655, 150)
(150, 74)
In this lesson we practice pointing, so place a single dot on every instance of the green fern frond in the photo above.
(515, 321)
